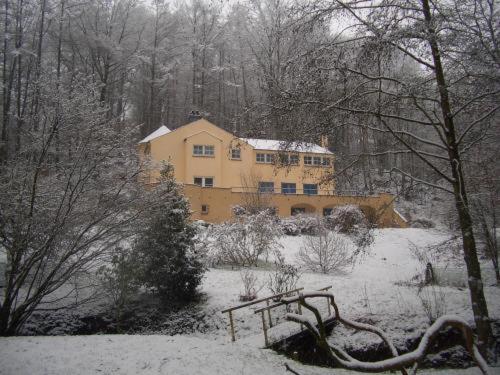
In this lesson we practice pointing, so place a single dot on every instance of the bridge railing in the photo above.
(266, 309)
(271, 307)
(230, 310)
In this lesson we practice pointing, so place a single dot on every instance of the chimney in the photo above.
(193, 116)
(324, 141)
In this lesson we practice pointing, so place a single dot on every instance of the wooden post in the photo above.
(231, 323)
(299, 307)
(328, 305)
(264, 328)
(269, 314)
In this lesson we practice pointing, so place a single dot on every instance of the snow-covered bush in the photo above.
(351, 220)
(346, 219)
(250, 287)
(290, 227)
(326, 252)
(119, 280)
(244, 241)
(284, 277)
(422, 222)
(300, 224)
(238, 210)
(167, 258)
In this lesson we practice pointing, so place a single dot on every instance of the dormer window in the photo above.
(203, 150)
(235, 154)
(264, 158)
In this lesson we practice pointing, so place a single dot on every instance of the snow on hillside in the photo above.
(373, 289)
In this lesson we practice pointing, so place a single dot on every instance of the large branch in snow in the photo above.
(398, 362)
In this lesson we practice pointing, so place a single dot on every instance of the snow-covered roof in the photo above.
(273, 145)
(162, 130)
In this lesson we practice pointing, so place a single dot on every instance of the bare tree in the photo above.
(60, 216)
(450, 97)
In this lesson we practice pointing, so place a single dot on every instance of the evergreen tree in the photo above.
(168, 260)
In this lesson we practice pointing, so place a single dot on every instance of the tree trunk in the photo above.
(479, 306)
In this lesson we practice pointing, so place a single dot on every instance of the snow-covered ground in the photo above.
(373, 289)
(150, 355)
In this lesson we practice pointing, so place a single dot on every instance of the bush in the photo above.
(119, 280)
(284, 278)
(244, 241)
(249, 280)
(168, 260)
(346, 219)
(300, 224)
(422, 223)
(325, 252)
(290, 227)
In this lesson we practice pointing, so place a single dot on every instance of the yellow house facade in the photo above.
(219, 170)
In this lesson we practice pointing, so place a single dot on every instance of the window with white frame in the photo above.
(264, 158)
(317, 161)
(204, 181)
(289, 159)
(197, 150)
(235, 154)
(203, 150)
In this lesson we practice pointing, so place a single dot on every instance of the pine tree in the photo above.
(166, 253)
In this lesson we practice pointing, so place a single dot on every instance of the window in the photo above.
(264, 158)
(203, 150)
(311, 189)
(286, 159)
(235, 154)
(197, 150)
(317, 161)
(266, 187)
(288, 188)
(204, 181)
(327, 211)
(298, 210)
(210, 150)
(204, 209)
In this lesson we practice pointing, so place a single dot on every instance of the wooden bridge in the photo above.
(266, 310)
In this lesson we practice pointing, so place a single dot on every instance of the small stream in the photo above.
(143, 316)
(447, 350)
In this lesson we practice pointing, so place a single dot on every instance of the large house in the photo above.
(219, 171)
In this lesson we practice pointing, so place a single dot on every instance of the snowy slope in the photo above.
(369, 290)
